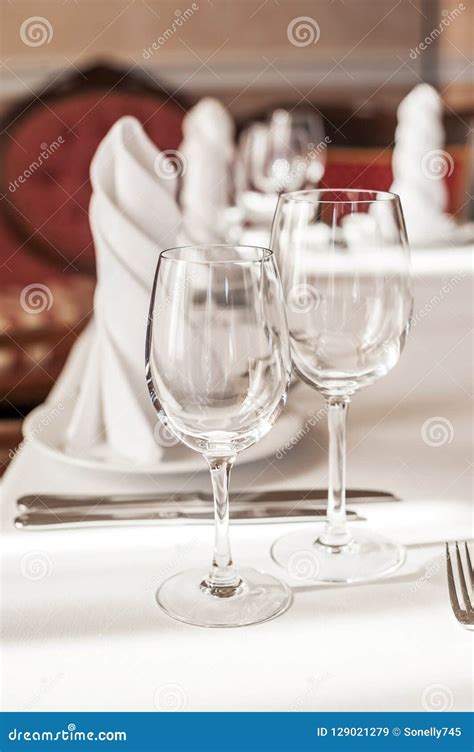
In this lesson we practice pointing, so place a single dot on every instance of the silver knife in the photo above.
(58, 511)
(83, 517)
(137, 502)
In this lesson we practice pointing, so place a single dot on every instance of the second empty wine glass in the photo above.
(344, 260)
(218, 368)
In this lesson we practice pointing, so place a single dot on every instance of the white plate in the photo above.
(45, 428)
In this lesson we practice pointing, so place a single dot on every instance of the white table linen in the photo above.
(87, 635)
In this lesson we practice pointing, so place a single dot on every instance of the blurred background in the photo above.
(70, 68)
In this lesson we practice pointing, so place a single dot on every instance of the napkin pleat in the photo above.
(87, 428)
(134, 215)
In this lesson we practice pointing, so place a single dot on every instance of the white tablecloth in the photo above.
(87, 634)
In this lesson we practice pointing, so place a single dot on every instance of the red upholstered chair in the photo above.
(46, 146)
(366, 168)
(360, 148)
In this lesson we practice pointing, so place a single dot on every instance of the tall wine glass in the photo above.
(286, 152)
(344, 261)
(218, 367)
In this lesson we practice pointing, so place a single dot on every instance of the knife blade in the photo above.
(83, 517)
(43, 502)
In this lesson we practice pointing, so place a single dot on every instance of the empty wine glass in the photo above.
(344, 261)
(218, 368)
(286, 152)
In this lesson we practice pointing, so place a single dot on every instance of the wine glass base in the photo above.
(368, 556)
(259, 598)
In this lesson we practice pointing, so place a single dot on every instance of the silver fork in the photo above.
(460, 585)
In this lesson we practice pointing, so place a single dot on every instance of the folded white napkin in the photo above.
(420, 165)
(134, 215)
(207, 152)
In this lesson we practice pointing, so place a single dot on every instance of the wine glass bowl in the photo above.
(225, 376)
(344, 261)
(218, 368)
(285, 152)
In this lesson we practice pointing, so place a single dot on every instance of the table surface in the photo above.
(81, 627)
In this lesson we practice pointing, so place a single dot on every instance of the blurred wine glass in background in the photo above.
(284, 153)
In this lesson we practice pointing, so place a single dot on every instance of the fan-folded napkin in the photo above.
(134, 215)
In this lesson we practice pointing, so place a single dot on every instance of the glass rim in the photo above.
(266, 253)
(305, 195)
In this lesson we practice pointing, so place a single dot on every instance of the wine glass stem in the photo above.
(336, 532)
(223, 579)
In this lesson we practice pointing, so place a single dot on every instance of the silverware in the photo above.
(191, 513)
(460, 579)
(137, 502)
(58, 511)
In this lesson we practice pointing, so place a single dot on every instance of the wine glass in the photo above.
(345, 265)
(286, 152)
(218, 367)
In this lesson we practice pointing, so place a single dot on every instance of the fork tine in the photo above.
(469, 563)
(462, 581)
(451, 584)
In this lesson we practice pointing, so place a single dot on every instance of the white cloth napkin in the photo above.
(207, 153)
(134, 215)
(420, 165)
